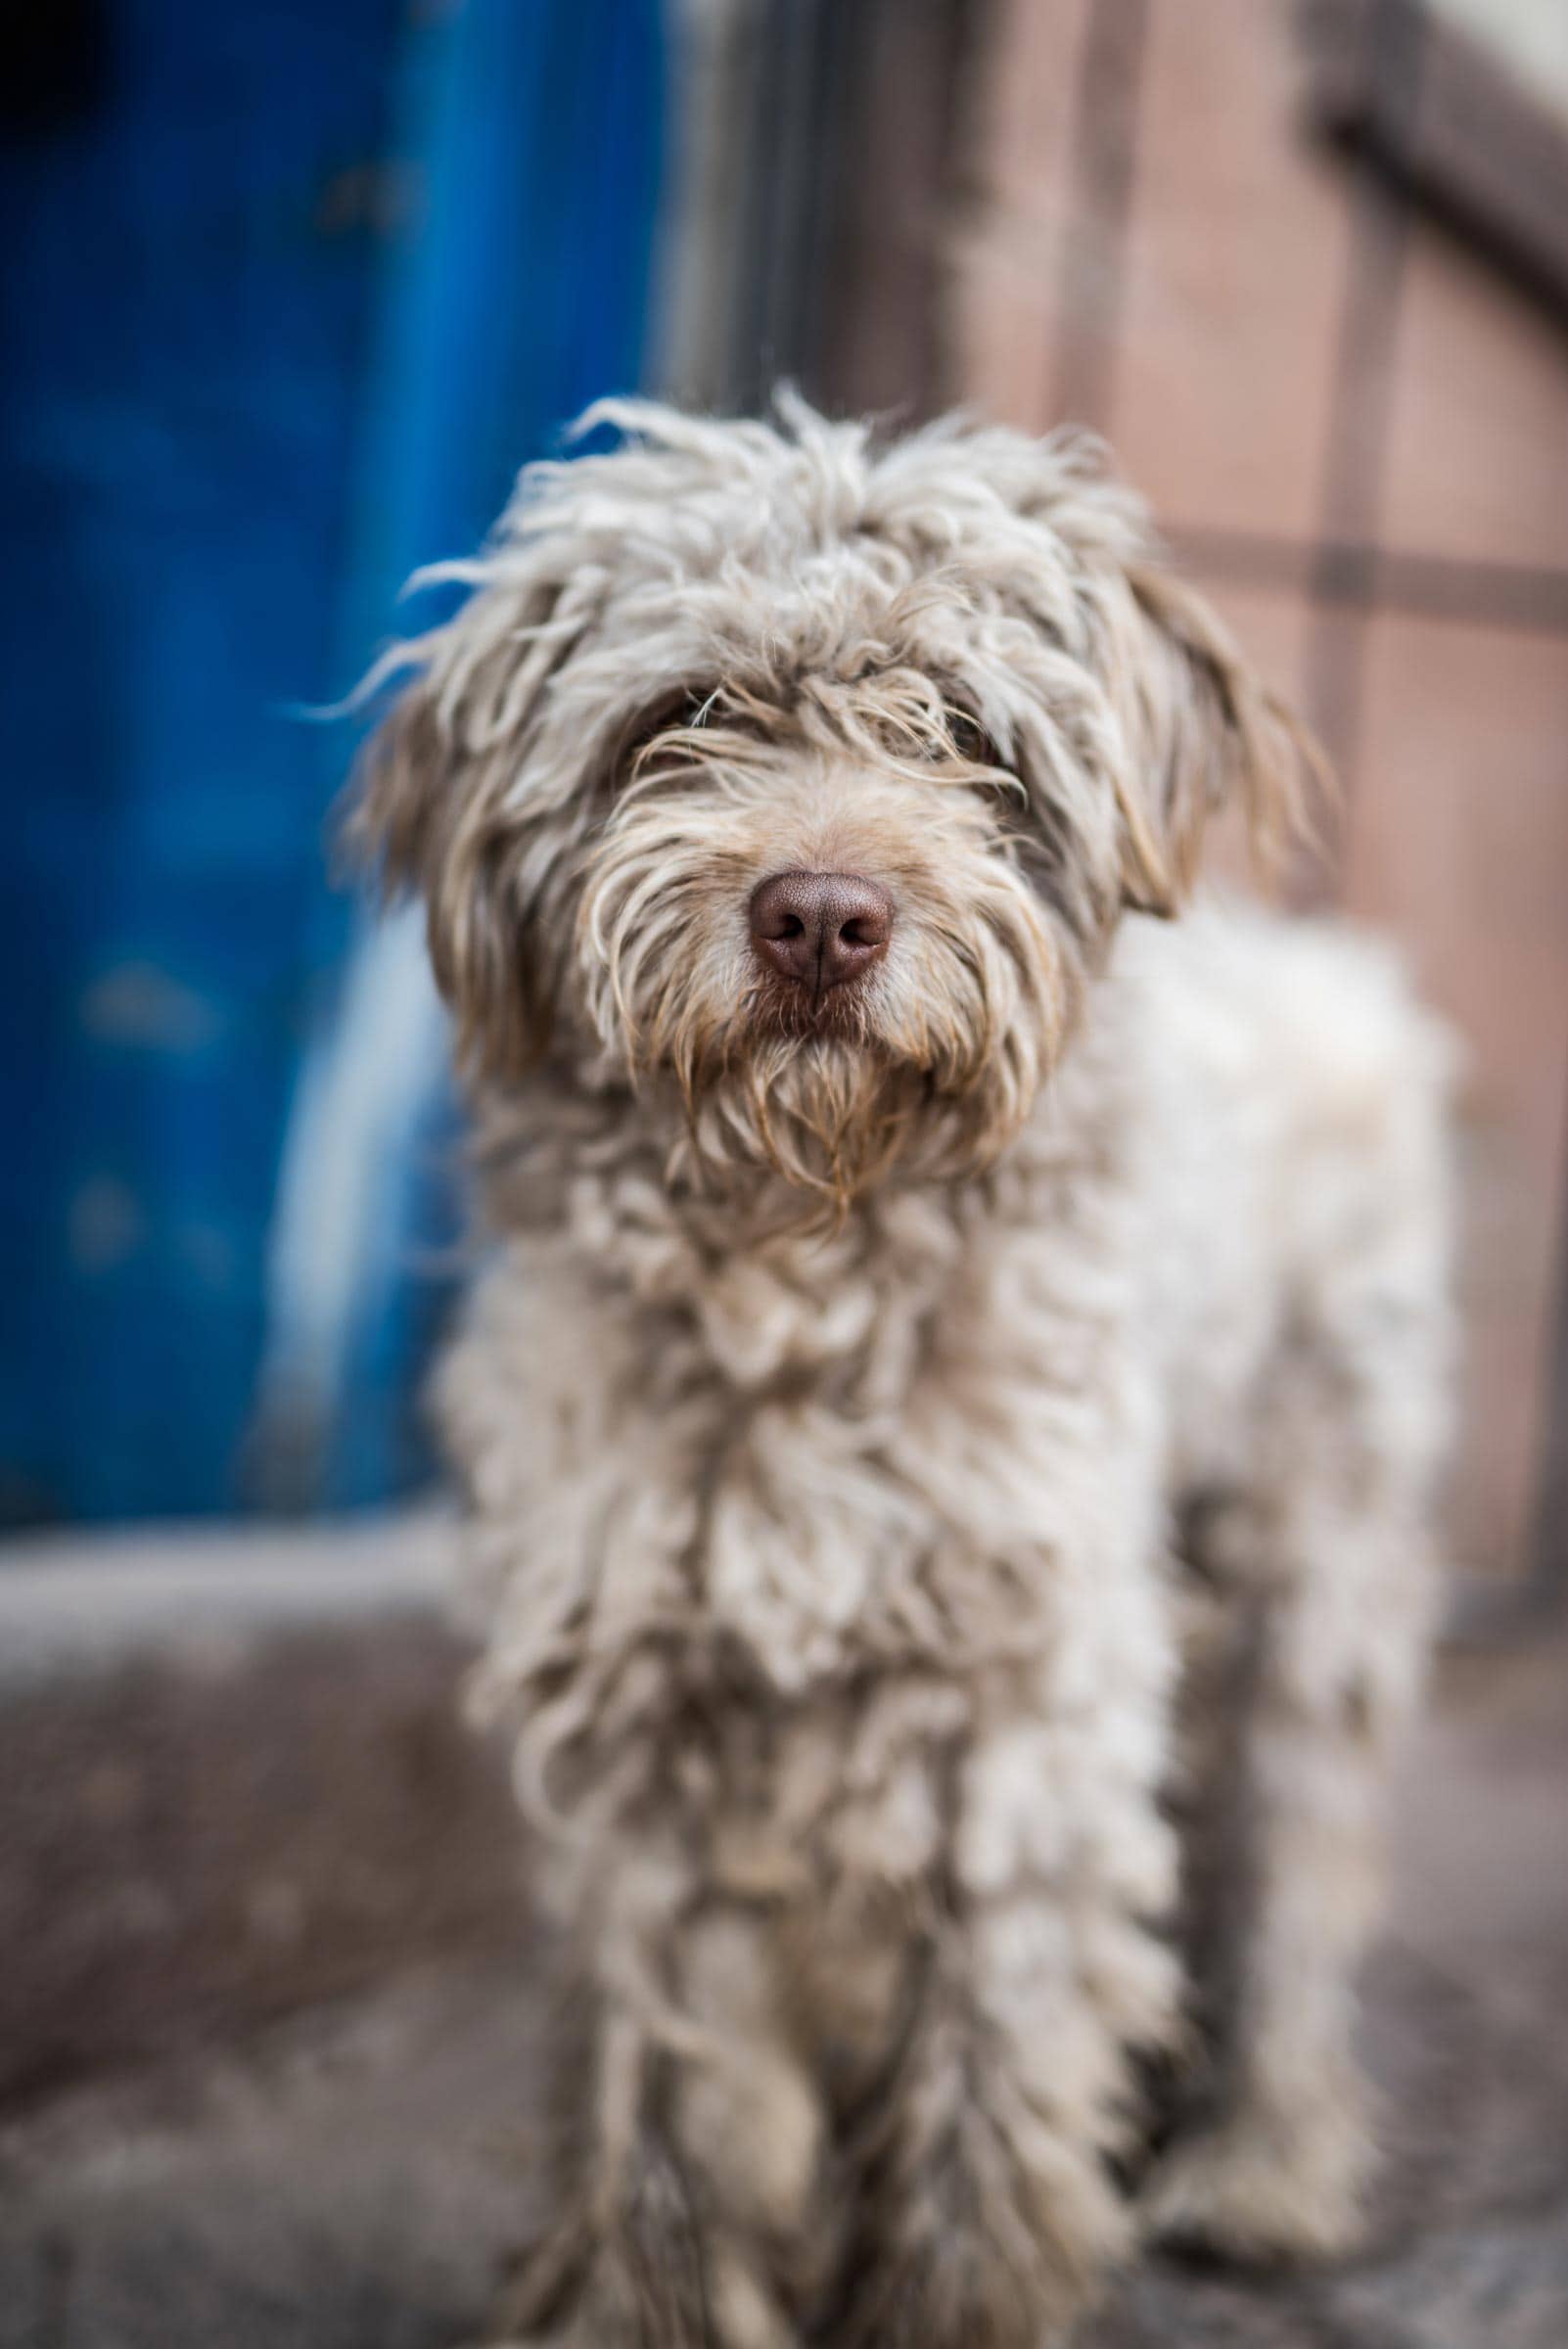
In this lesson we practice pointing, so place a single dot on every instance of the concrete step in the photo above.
(272, 2011)
(350, 2180)
(358, 2178)
(233, 1781)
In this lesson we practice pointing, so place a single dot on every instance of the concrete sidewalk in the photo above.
(271, 2010)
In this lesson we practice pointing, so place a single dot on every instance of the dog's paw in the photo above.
(1253, 2189)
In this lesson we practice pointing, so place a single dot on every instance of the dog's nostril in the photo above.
(820, 929)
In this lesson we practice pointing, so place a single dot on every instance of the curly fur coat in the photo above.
(890, 1405)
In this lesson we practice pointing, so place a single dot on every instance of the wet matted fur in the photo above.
(877, 1408)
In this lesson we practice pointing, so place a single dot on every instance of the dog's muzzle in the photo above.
(820, 930)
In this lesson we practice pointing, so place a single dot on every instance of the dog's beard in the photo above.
(831, 1117)
(928, 1071)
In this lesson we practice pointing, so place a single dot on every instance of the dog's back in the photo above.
(1298, 1153)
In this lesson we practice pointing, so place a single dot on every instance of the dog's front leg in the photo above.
(689, 2212)
(991, 2210)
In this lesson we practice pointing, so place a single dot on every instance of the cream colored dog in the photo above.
(934, 1302)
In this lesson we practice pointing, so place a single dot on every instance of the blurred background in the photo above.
(289, 290)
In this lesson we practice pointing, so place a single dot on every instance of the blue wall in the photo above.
(289, 291)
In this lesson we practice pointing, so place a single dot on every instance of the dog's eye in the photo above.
(971, 741)
(686, 706)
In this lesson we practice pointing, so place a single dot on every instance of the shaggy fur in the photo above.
(877, 1415)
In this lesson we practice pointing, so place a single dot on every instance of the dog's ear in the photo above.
(1201, 730)
(465, 796)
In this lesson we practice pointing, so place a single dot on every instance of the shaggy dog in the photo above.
(936, 1305)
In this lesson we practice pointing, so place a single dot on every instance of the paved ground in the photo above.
(215, 2173)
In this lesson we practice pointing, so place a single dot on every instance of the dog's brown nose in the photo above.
(820, 929)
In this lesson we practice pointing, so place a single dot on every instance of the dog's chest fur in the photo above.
(811, 1454)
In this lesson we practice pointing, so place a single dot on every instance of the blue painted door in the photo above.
(287, 293)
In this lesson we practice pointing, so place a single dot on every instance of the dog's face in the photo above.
(808, 781)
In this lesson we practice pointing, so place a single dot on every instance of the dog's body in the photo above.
(921, 1329)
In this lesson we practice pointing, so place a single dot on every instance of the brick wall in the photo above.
(1352, 423)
